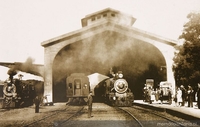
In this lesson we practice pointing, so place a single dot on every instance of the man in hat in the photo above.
(190, 96)
(183, 94)
(89, 104)
(37, 104)
(198, 96)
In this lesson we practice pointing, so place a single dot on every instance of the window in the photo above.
(113, 15)
(77, 83)
(93, 18)
(85, 86)
(99, 16)
(70, 85)
(104, 15)
(32, 88)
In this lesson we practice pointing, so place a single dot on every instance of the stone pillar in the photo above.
(170, 77)
(48, 81)
(170, 74)
(168, 53)
(48, 84)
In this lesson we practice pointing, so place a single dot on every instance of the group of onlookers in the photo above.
(156, 95)
(183, 96)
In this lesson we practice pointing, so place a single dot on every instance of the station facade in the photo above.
(110, 23)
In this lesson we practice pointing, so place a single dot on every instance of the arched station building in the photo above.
(106, 40)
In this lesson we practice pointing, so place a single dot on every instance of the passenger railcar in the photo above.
(116, 92)
(77, 88)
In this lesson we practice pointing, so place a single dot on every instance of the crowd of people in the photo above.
(182, 97)
(159, 94)
(186, 97)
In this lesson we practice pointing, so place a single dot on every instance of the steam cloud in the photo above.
(104, 51)
(27, 66)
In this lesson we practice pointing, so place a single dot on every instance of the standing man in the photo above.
(198, 96)
(183, 94)
(149, 95)
(89, 104)
(169, 95)
(37, 104)
(190, 96)
(161, 95)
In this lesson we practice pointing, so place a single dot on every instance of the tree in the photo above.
(187, 60)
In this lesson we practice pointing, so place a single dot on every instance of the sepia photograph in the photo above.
(100, 63)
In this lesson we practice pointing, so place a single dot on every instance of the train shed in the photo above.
(104, 35)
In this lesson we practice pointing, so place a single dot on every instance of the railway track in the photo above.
(56, 118)
(136, 122)
(150, 118)
(103, 115)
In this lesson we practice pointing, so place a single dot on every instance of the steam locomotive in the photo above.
(17, 93)
(77, 88)
(115, 91)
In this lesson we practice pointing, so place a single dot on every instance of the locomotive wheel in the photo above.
(7, 101)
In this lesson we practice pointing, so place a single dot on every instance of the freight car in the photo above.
(115, 91)
(77, 88)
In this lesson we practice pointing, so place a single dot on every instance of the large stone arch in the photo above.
(54, 46)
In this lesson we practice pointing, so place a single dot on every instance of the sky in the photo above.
(25, 24)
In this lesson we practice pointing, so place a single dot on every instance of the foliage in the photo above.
(187, 60)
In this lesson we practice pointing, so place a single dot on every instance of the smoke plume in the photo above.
(104, 51)
(28, 66)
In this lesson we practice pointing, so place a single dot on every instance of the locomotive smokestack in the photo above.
(111, 72)
(11, 72)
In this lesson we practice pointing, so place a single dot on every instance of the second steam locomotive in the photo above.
(18, 93)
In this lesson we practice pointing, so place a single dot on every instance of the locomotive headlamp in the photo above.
(8, 81)
(120, 75)
(114, 98)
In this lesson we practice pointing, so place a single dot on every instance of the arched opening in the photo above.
(137, 60)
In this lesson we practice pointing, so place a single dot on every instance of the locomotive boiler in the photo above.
(77, 88)
(115, 91)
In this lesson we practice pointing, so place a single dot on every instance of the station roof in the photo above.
(95, 79)
(113, 21)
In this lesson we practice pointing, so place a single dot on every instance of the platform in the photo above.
(182, 111)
